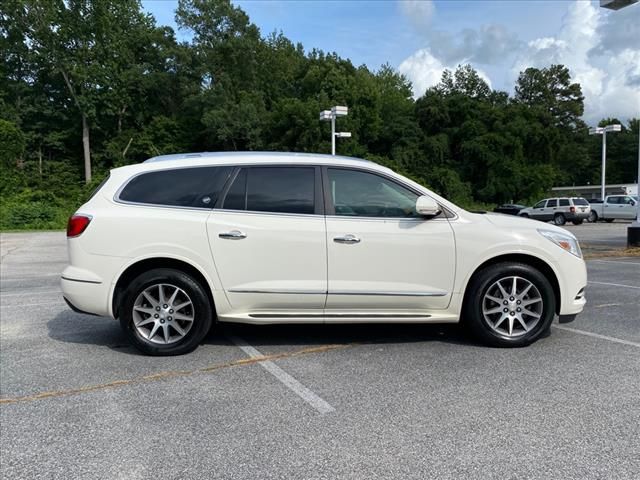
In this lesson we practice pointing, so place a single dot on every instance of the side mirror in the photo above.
(427, 206)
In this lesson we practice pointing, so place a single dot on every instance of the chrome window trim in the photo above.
(258, 212)
(448, 216)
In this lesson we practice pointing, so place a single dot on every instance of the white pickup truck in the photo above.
(623, 207)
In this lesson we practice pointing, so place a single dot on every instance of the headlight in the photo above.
(564, 241)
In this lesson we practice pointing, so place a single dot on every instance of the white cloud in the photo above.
(603, 59)
(424, 70)
(601, 48)
(419, 12)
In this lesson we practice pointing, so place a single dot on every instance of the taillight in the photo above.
(572, 209)
(77, 224)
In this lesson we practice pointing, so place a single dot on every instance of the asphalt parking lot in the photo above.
(318, 402)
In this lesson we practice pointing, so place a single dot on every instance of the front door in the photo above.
(538, 210)
(382, 256)
(268, 239)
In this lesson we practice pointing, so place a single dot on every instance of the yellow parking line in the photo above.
(171, 374)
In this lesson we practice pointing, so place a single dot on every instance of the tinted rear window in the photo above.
(182, 187)
(580, 201)
(273, 189)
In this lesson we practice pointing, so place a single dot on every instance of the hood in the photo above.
(511, 222)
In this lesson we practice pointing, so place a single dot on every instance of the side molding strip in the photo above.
(339, 292)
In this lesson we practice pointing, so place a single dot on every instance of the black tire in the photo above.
(593, 217)
(577, 222)
(609, 220)
(202, 312)
(559, 219)
(524, 215)
(483, 280)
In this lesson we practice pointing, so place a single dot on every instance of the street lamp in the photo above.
(331, 115)
(603, 131)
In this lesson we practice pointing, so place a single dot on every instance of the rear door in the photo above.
(268, 239)
(551, 209)
(611, 207)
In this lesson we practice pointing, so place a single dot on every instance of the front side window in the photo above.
(540, 204)
(181, 187)
(552, 203)
(361, 194)
(273, 189)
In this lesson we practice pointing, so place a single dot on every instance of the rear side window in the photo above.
(564, 202)
(580, 201)
(552, 203)
(614, 200)
(182, 187)
(273, 189)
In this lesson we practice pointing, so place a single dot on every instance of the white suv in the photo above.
(172, 244)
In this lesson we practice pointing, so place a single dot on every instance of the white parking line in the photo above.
(597, 335)
(294, 385)
(614, 284)
(30, 291)
(20, 305)
(613, 261)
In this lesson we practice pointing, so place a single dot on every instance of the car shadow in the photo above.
(71, 327)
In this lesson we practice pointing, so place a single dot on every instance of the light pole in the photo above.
(603, 131)
(331, 115)
(633, 231)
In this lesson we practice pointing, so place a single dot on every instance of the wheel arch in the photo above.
(146, 264)
(526, 259)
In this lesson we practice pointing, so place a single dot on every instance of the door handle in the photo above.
(348, 238)
(233, 235)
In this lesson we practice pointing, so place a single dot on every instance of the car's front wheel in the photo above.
(165, 312)
(509, 305)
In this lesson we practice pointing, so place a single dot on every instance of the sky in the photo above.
(420, 38)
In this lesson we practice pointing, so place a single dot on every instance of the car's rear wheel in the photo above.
(165, 312)
(559, 219)
(577, 222)
(593, 217)
(509, 305)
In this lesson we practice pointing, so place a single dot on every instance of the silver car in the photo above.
(559, 210)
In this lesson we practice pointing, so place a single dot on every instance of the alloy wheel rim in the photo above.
(163, 314)
(512, 306)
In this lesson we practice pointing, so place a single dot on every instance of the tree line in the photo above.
(87, 85)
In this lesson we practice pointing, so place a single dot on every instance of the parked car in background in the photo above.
(622, 207)
(559, 210)
(171, 246)
(509, 208)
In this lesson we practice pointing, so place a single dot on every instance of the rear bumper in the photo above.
(577, 216)
(84, 292)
